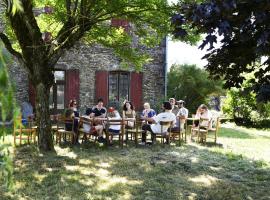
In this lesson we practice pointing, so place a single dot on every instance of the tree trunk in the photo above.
(45, 139)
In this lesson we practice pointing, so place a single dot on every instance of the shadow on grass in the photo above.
(187, 172)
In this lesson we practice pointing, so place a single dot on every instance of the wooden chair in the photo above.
(54, 121)
(26, 131)
(213, 131)
(121, 133)
(136, 130)
(65, 129)
(165, 127)
(178, 133)
(190, 126)
(130, 131)
(87, 135)
(201, 130)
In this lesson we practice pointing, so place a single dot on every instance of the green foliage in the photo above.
(6, 108)
(241, 105)
(192, 84)
(151, 20)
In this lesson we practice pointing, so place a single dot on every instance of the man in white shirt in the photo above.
(155, 127)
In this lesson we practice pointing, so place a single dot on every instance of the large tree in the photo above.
(70, 21)
(244, 29)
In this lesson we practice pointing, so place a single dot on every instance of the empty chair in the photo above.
(24, 130)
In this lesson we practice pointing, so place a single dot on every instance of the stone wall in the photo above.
(90, 59)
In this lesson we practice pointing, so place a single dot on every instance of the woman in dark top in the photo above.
(99, 111)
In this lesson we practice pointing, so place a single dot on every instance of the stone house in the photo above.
(86, 73)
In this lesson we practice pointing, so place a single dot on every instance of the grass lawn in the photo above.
(237, 168)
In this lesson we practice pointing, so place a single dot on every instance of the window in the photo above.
(57, 92)
(118, 86)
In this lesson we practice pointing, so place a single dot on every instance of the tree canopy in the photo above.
(191, 84)
(243, 27)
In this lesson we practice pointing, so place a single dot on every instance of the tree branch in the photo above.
(8, 46)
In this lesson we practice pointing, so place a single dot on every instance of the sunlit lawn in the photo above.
(237, 168)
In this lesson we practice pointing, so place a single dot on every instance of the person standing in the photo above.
(182, 114)
(76, 115)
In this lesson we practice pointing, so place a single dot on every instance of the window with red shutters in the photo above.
(101, 87)
(136, 90)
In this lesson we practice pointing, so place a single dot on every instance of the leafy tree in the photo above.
(192, 84)
(71, 21)
(241, 104)
(244, 29)
(6, 107)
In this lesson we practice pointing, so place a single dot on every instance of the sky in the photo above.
(182, 53)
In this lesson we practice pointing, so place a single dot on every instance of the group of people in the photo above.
(172, 110)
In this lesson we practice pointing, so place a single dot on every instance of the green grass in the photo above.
(228, 170)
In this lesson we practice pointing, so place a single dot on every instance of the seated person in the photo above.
(98, 111)
(69, 115)
(129, 112)
(114, 129)
(183, 114)
(155, 128)
(148, 112)
(175, 108)
(203, 112)
(98, 128)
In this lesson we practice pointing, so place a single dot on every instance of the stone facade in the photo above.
(89, 59)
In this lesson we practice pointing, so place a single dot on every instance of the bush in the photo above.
(241, 104)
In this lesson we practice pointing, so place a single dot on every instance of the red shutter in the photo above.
(72, 89)
(136, 90)
(102, 86)
(120, 23)
(32, 95)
